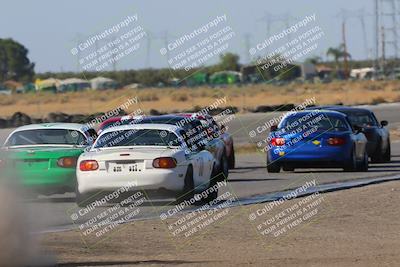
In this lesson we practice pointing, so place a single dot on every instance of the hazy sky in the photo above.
(49, 29)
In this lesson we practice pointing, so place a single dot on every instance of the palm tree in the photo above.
(337, 53)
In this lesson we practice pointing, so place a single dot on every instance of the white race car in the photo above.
(152, 158)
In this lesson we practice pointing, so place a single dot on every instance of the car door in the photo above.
(383, 133)
(201, 160)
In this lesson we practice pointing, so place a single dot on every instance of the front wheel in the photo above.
(212, 190)
(377, 156)
(224, 168)
(231, 159)
(387, 155)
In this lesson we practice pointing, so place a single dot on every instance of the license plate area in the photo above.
(125, 167)
(32, 163)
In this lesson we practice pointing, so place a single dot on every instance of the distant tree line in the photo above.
(14, 62)
(15, 65)
(150, 77)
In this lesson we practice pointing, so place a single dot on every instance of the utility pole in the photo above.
(247, 38)
(78, 55)
(360, 15)
(345, 62)
(376, 61)
(394, 27)
(148, 49)
(165, 38)
(383, 51)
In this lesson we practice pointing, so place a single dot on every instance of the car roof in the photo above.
(325, 111)
(342, 108)
(170, 119)
(112, 119)
(194, 115)
(66, 126)
(156, 126)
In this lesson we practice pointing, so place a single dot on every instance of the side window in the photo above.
(374, 119)
(349, 125)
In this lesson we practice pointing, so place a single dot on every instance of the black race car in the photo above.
(378, 146)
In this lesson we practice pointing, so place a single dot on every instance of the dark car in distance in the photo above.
(378, 146)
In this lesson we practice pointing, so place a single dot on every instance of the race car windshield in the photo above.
(142, 137)
(121, 122)
(361, 119)
(46, 137)
(321, 121)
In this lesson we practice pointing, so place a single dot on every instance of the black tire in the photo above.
(387, 155)
(273, 167)
(377, 157)
(287, 169)
(352, 165)
(232, 159)
(224, 168)
(363, 165)
(188, 189)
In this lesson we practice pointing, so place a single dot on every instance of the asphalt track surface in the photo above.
(250, 177)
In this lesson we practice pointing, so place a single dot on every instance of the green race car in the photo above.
(43, 156)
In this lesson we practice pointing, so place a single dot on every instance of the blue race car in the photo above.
(378, 135)
(316, 139)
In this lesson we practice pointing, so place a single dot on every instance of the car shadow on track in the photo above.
(249, 168)
(52, 200)
(253, 180)
(341, 171)
(122, 263)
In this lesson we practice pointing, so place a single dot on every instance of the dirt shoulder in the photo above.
(357, 227)
(172, 99)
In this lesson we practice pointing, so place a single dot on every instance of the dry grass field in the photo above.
(176, 99)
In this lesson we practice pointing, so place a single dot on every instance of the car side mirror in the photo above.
(358, 129)
(274, 128)
(384, 123)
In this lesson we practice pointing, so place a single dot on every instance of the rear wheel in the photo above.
(188, 189)
(273, 167)
(352, 165)
(363, 165)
